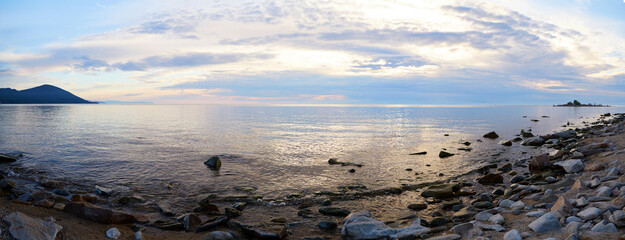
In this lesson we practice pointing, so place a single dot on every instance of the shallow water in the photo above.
(157, 151)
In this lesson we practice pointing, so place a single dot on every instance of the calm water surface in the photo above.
(158, 151)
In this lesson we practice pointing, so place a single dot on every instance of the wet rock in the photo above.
(571, 166)
(491, 135)
(438, 221)
(545, 223)
(102, 191)
(61, 192)
(7, 159)
(113, 233)
(565, 134)
(446, 237)
(604, 191)
(506, 143)
(218, 235)
(334, 161)
(604, 227)
(97, 214)
(165, 209)
(362, 226)
(419, 153)
(239, 206)
(417, 206)
(7, 185)
(534, 141)
(26, 227)
(517, 179)
(441, 191)
(327, 225)
(44, 203)
(214, 163)
(497, 219)
(334, 211)
(464, 214)
(443, 154)
(512, 235)
(491, 179)
(206, 206)
(59, 206)
(539, 163)
(589, 213)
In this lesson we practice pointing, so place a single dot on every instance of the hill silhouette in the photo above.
(44, 94)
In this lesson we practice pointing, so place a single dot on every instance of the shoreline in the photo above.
(300, 215)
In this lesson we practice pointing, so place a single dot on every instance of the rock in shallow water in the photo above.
(491, 135)
(213, 163)
(7, 158)
(26, 227)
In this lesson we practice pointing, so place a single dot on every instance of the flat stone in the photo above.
(98, 214)
(497, 219)
(113, 233)
(334, 211)
(562, 206)
(589, 213)
(483, 216)
(518, 205)
(447, 237)
(571, 166)
(506, 203)
(102, 191)
(462, 228)
(535, 213)
(26, 227)
(604, 227)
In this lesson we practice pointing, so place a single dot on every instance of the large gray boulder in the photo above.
(361, 226)
(571, 166)
(25, 227)
(545, 223)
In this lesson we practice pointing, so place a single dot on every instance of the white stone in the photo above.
(113, 233)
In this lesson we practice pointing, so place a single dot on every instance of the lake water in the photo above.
(157, 151)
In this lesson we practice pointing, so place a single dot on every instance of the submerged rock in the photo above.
(334, 161)
(491, 135)
(444, 154)
(7, 158)
(213, 163)
(260, 231)
(102, 191)
(362, 226)
(491, 179)
(26, 227)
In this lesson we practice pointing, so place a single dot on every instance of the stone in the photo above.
(446, 237)
(578, 186)
(618, 218)
(506, 143)
(604, 191)
(260, 231)
(594, 183)
(571, 166)
(443, 154)
(535, 213)
(419, 153)
(168, 225)
(545, 223)
(491, 179)
(361, 226)
(589, 213)
(438, 221)
(334, 211)
(581, 202)
(165, 209)
(497, 219)
(41, 195)
(441, 191)
(239, 206)
(517, 179)
(59, 206)
(7, 159)
(463, 228)
(232, 212)
(518, 205)
(417, 206)
(539, 163)
(102, 191)
(491, 135)
(512, 235)
(562, 206)
(218, 235)
(44, 203)
(506, 203)
(113, 233)
(550, 179)
(190, 221)
(139, 236)
(98, 214)
(483, 216)
(206, 206)
(213, 163)
(211, 224)
(604, 227)
(327, 225)
(26, 227)
(464, 214)
(534, 141)
(565, 134)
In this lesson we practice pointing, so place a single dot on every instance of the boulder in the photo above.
(564, 134)
(589, 213)
(491, 135)
(213, 163)
(362, 226)
(491, 179)
(539, 163)
(535, 141)
(97, 214)
(26, 227)
(571, 166)
(545, 223)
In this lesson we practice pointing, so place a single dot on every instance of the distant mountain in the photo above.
(44, 94)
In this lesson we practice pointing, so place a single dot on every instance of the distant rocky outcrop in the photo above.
(44, 94)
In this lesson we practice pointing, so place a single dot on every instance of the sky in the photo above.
(318, 52)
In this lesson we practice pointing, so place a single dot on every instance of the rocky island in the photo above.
(576, 103)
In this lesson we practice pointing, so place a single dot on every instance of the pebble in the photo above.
(512, 235)
(113, 233)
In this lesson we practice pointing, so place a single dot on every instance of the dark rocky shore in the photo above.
(574, 192)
